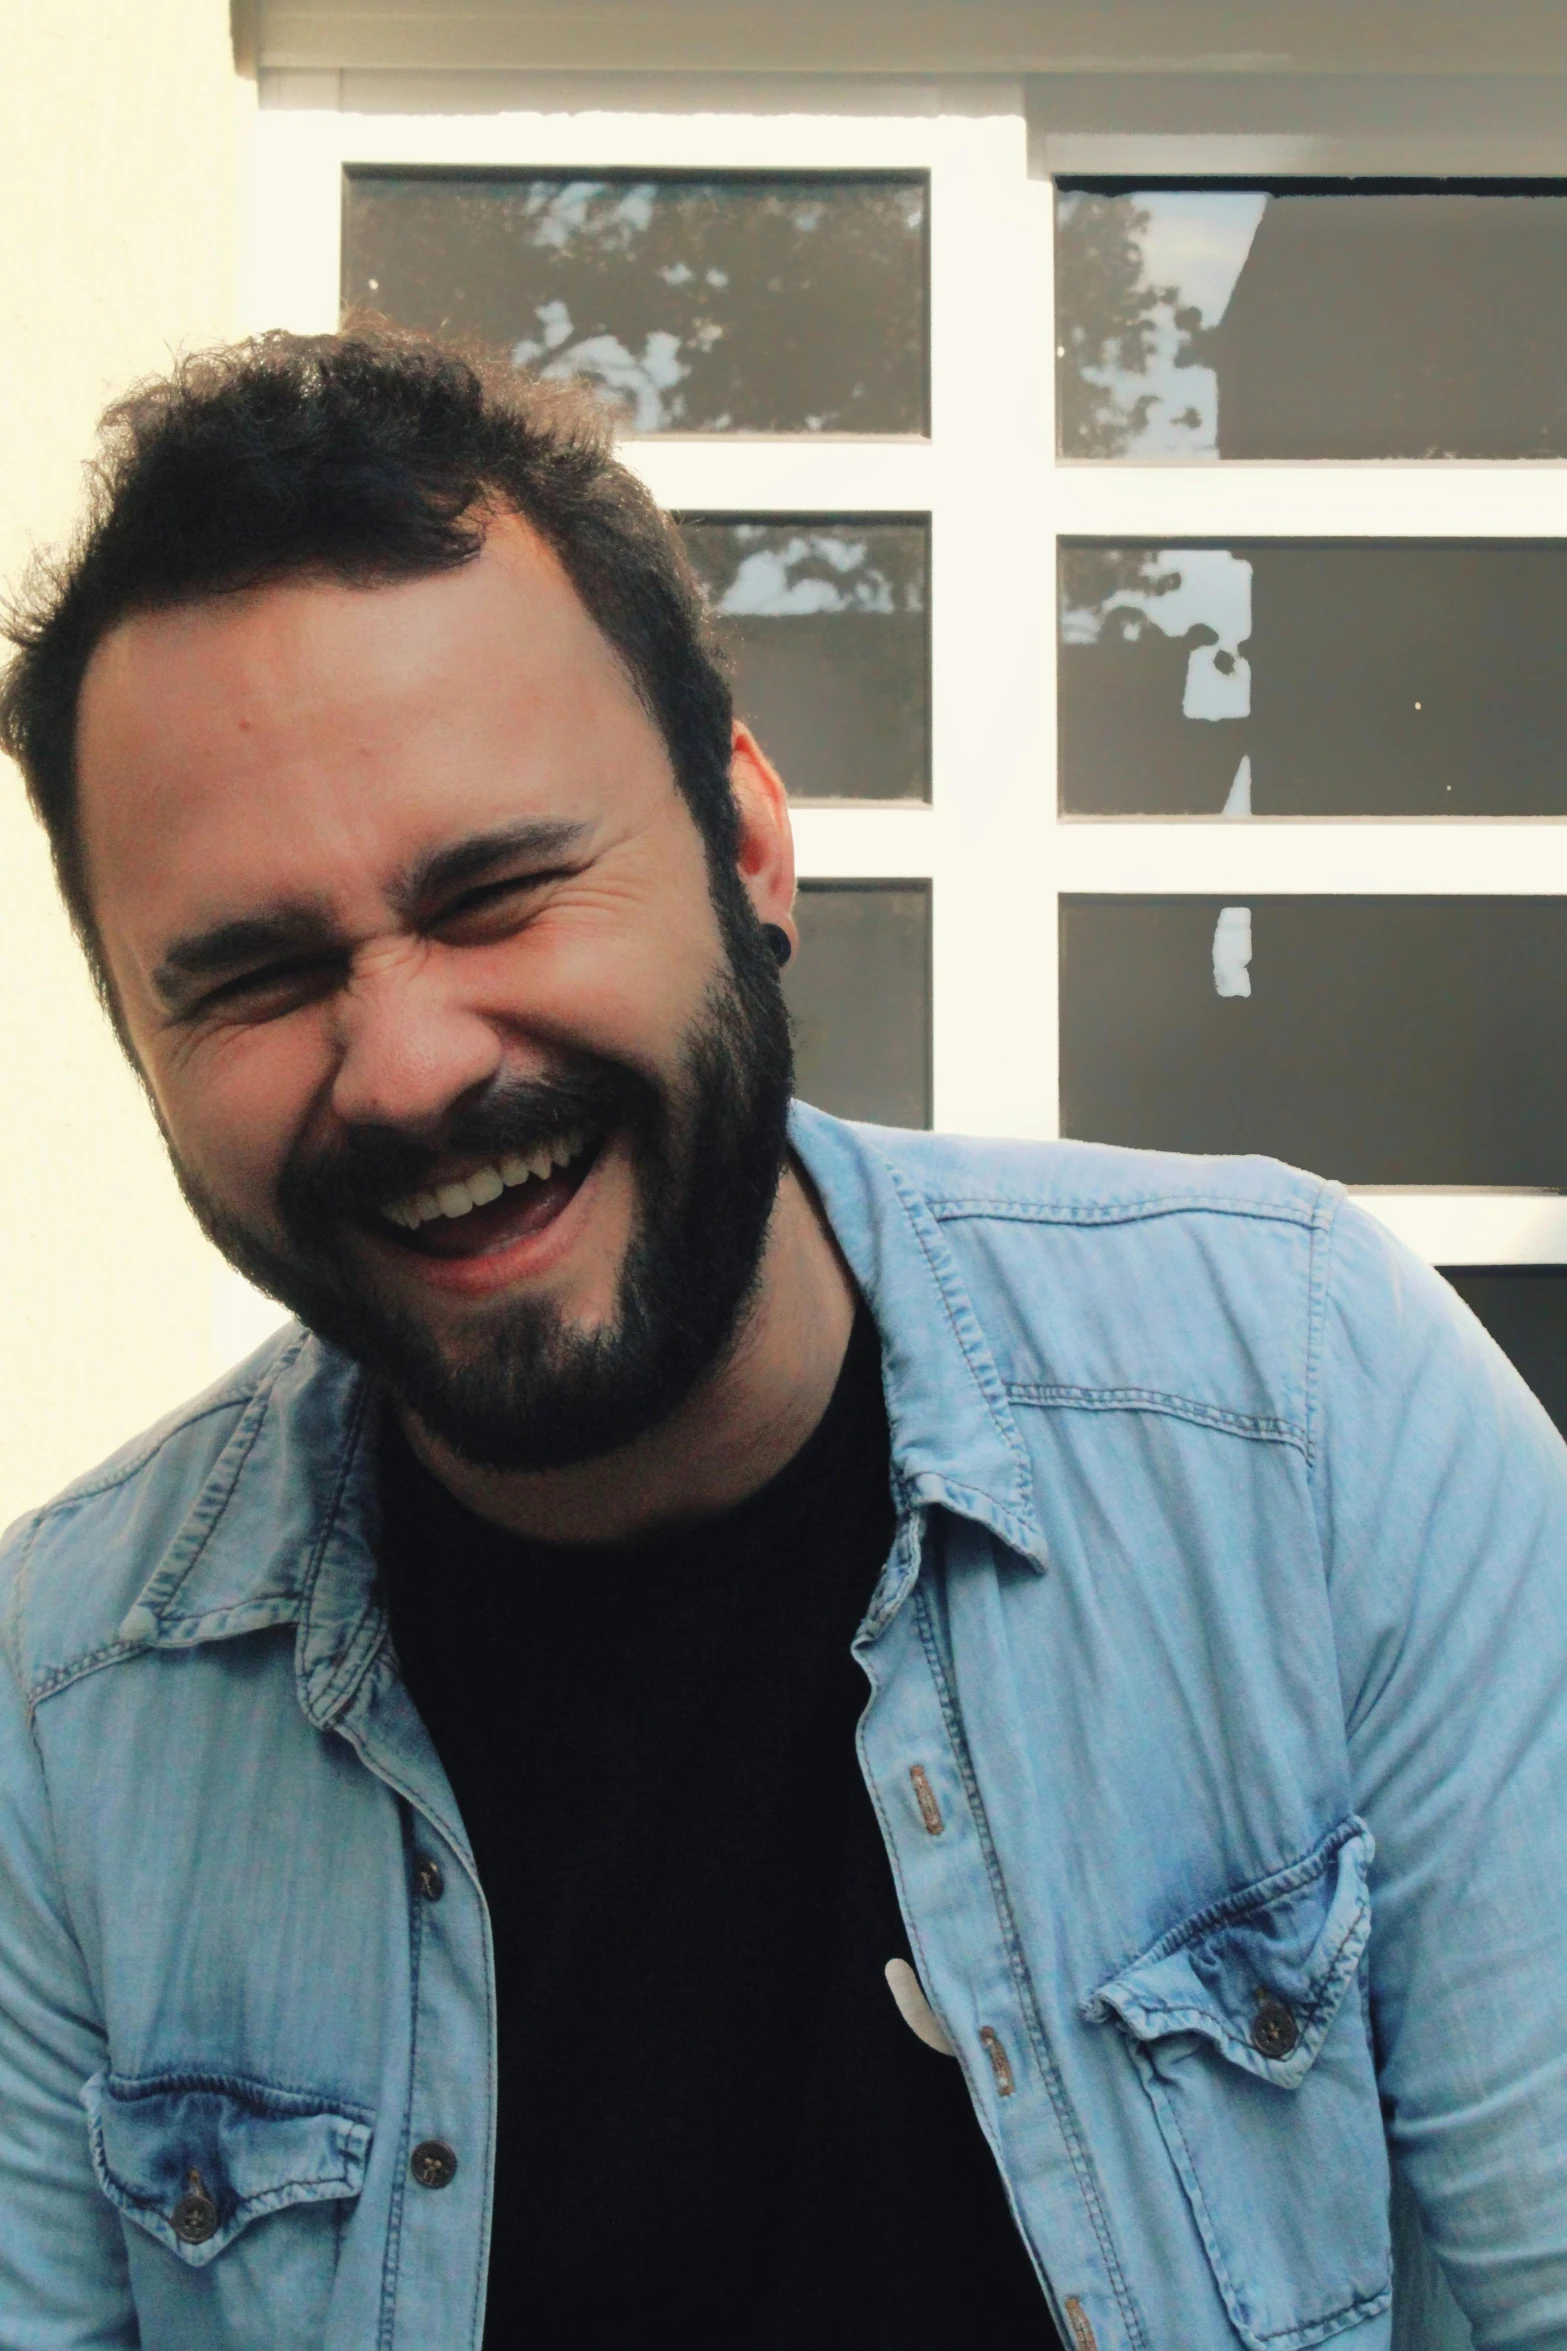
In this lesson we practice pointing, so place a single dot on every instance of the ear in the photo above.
(766, 852)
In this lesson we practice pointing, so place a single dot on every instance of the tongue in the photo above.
(526, 1208)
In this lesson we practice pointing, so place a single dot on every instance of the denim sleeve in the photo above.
(63, 2277)
(1441, 1489)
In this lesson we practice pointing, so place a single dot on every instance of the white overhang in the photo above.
(912, 36)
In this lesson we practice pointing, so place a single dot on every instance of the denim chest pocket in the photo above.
(1245, 2025)
(194, 2161)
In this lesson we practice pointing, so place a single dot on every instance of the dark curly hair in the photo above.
(367, 456)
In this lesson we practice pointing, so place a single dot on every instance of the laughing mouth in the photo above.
(487, 1206)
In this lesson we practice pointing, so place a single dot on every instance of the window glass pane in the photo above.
(1312, 320)
(859, 994)
(1525, 1310)
(778, 305)
(1300, 680)
(825, 624)
(1380, 1040)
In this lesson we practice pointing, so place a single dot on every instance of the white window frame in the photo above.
(990, 843)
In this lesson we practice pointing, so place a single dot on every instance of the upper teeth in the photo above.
(458, 1196)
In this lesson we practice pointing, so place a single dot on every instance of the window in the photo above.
(1525, 1311)
(1298, 318)
(788, 311)
(864, 952)
(1310, 725)
(1384, 1040)
(1148, 586)
(1293, 678)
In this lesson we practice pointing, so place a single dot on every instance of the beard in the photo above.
(522, 1388)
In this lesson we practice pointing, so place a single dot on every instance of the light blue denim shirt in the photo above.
(1216, 1722)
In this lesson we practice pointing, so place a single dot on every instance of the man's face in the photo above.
(457, 1050)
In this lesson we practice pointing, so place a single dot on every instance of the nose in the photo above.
(408, 1045)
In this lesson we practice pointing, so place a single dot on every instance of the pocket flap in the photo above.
(1261, 1973)
(194, 2158)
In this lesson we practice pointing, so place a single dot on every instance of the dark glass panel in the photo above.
(825, 623)
(777, 305)
(1525, 1310)
(859, 994)
(1312, 320)
(1380, 1040)
(1299, 680)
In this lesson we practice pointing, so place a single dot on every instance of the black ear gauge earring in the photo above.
(779, 940)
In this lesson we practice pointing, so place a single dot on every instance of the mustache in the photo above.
(367, 1167)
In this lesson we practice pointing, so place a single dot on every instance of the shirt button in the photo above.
(433, 2163)
(428, 1877)
(1274, 2031)
(925, 1798)
(1000, 2063)
(195, 2217)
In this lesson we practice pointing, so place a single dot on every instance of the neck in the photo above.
(746, 1420)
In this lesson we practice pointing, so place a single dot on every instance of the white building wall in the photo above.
(119, 181)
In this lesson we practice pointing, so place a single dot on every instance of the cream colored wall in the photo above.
(120, 128)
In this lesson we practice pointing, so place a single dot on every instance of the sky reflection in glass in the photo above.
(1138, 280)
(1313, 319)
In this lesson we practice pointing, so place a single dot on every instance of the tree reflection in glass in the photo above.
(746, 304)
(824, 621)
(1141, 280)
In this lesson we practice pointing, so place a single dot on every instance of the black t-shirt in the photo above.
(715, 2127)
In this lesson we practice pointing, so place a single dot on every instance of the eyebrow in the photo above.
(469, 859)
(305, 926)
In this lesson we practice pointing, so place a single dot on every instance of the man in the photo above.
(761, 1733)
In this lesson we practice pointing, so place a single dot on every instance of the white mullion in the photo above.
(1467, 857)
(794, 475)
(1053, 478)
(1474, 1227)
(587, 138)
(865, 843)
(1317, 501)
(994, 1041)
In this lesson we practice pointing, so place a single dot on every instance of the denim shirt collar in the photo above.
(954, 1441)
(284, 1530)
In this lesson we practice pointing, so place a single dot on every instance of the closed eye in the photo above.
(272, 989)
(493, 910)
(258, 965)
